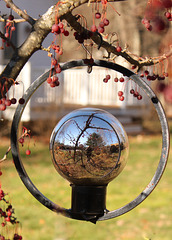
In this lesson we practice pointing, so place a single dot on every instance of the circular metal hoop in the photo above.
(165, 140)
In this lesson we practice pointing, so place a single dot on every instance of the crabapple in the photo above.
(168, 15)
(97, 15)
(49, 80)
(108, 76)
(120, 93)
(66, 33)
(21, 140)
(13, 100)
(121, 98)
(121, 79)
(61, 25)
(132, 91)
(101, 24)
(8, 102)
(93, 28)
(11, 17)
(139, 97)
(106, 21)
(101, 29)
(21, 101)
(118, 49)
(28, 152)
(55, 28)
(2, 107)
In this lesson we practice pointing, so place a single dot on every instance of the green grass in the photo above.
(150, 220)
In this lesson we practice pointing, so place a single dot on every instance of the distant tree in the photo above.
(95, 140)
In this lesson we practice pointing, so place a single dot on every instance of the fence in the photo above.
(77, 87)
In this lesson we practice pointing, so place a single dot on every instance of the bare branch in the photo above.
(21, 13)
(130, 57)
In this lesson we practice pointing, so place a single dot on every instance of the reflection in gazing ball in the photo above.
(89, 146)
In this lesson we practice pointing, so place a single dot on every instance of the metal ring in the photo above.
(165, 140)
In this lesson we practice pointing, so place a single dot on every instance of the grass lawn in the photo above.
(150, 220)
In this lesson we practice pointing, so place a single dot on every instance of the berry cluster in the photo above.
(7, 213)
(154, 76)
(136, 94)
(102, 24)
(5, 102)
(58, 28)
(121, 95)
(9, 29)
(25, 133)
(153, 20)
(80, 37)
(54, 80)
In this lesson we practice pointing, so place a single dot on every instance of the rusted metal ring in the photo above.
(165, 140)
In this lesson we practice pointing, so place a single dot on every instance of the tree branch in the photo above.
(21, 13)
(131, 58)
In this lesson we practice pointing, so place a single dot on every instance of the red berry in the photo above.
(165, 74)
(168, 15)
(52, 84)
(108, 76)
(167, 3)
(49, 80)
(136, 94)
(21, 140)
(115, 79)
(8, 102)
(132, 91)
(61, 25)
(13, 100)
(97, 15)
(3, 224)
(2, 107)
(101, 24)
(0, 173)
(118, 49)
(58, 69)
(21, 101)
(13, 29)
(101, 29)
(121, 79)
(120, 93)
(146, 73)
(55, 28)
(159, 24)
(8, 219)
(66, 33)
(53, 61)
(7, 35)
(9, 213)
(139, 97)
(28, 152)
(54, 79)
(93, 28)
(106, 21)
(121, 98)
(105, 80)
(11, 17)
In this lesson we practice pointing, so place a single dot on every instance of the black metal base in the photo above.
(88, 202)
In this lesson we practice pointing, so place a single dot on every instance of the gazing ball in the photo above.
(89, 146)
